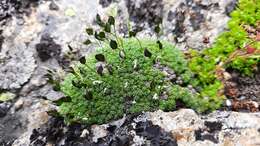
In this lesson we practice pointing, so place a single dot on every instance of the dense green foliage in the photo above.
(128, 85)
(204, 63)
(122, 77)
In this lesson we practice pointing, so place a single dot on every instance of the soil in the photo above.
(244, 91)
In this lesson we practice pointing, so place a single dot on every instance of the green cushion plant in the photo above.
(127, 76)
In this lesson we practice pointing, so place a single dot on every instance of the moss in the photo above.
(236, 39)
(126, 86)
(6, 96)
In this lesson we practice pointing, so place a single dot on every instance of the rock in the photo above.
(4, 108)
(181, 124)
(47, 48)
(17, 66)
(228, 103)
(53, 6)
(183, 21)
(84, 133)
(217, 128)
(18, 104)
(98, 132)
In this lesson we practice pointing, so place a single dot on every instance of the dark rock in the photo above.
(53, 6)
(196, 19)
(1, 39)
(150, 11)
(47, 48)
(4, 108)
(171, 16)
(213, 126)
(54, 132)
(11, 128)
(9, 8)
(200, 135)
(105, 3)
(230, 7)
(180, 18)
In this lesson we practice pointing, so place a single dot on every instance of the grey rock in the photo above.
(217, 128)
(17, 65)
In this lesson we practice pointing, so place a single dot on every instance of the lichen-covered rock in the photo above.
(189, 23)
(17, 65)
(218, 128)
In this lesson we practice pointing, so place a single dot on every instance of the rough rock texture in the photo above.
(34, 37)
(218, 128)
(182, 128)
(17, 65)
(184, 20)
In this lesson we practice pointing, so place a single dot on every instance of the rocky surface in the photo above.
(37, 36)
(182, 128)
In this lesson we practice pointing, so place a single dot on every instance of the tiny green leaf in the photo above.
(113, 44)
(90, 31)
(100, 57)
(111, 20)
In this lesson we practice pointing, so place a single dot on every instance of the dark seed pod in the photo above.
(100, 57)
(107, 28)
(113, 44)
(56, 87)
(147, 53)
(99, 21)
(110, 69)
(88, 95)
(160, 44)
(100, 70)
(75, 84)
(87, 42)
(62, 100)
(82, 60)
(111, 20)
(100, 36)
(90, 31)
(69, 46)
(132, 33)
(157, 29)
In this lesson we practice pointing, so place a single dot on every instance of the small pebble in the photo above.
(228, 102)
(84, 133)
(18, 105)
(242, 97)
